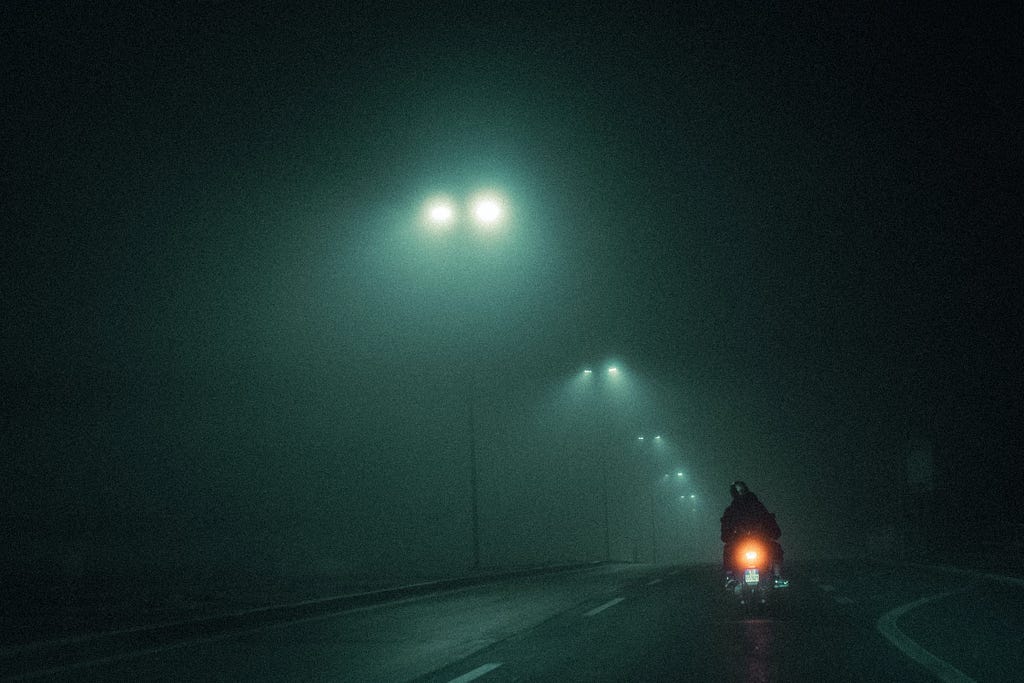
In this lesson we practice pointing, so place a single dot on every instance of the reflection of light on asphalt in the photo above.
(758, 638)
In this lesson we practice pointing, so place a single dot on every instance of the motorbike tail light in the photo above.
(749, 554)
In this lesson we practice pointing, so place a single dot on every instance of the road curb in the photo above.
(29, 656)
(1015, 581)
(976, 573)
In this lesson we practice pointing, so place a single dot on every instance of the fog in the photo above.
(233, 344)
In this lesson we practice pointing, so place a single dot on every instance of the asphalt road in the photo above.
(609, 623)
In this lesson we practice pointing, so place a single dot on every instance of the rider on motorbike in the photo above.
(746, 515)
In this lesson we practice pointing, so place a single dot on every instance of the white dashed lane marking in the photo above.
(601, 608)
(476, 673)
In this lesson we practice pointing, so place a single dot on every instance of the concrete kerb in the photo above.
(145, 636)
(973, 573)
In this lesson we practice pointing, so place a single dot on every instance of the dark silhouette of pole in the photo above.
(473, 485)
(607, 524)
(654, 530)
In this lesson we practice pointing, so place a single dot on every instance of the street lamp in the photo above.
(442, 215)
(486, 211)
(611, 373)
(652, 444)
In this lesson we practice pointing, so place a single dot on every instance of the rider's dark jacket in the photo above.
(747, 515)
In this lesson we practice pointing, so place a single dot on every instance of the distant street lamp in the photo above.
(611, 372)
(652, 504)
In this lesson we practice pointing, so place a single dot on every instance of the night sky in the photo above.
(229, 339)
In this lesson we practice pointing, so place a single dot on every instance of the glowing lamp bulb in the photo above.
(441, 213)
(488, 210)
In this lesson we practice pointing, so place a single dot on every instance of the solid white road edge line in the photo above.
(941, 669)
(603, 607)
(196, 640)
(476, 673)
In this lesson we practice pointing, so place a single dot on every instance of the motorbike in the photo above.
(753, 577)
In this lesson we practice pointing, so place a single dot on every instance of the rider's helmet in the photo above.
(738, 489)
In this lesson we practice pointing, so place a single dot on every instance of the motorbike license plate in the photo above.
(751, 577)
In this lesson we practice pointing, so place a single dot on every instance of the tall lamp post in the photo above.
(611, 373)
(651, 443)
(442, 215)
